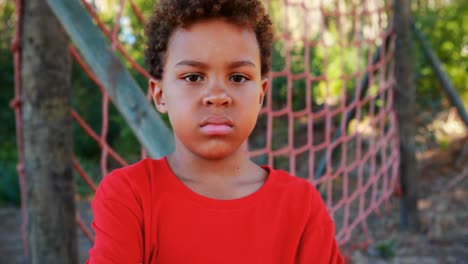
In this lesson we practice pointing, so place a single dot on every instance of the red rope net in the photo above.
(329, 113)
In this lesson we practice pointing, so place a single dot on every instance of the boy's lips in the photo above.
(217, 125)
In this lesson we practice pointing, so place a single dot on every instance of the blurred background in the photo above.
(441, 139)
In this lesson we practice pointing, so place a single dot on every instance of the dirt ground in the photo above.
(443, 234)
(443, 204)
(11, 246)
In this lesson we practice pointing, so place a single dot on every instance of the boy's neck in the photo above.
(234, 168)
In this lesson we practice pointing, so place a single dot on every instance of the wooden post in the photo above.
(125, 93)
(47, 135)
(405, 106)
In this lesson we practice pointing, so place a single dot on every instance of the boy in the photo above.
(207, 202)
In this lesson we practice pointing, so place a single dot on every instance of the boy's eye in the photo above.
(237, 78)
(193, 78)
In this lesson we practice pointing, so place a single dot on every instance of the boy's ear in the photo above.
(264, 84)
(158, 95)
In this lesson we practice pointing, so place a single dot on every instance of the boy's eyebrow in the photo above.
(237, 64)
(198, 64)
(192, 63)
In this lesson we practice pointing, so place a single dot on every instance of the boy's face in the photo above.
(211, 89)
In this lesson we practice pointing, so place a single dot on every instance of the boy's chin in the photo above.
(217, 153)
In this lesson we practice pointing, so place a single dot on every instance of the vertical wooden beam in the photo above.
(406, 110)
(47, 135)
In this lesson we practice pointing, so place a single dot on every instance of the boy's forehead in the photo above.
(215, 22)
(213, 38)
(213, 29)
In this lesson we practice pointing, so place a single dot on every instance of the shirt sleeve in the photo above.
(318, 244)
(117, 223)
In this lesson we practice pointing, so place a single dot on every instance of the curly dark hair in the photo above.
(170, 14)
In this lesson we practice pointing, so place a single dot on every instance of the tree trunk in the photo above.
(405, 104)
(46, 69)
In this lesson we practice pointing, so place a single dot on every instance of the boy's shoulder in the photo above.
(139, 168)
(299, 196)
(294, 186)
(132, 177)
(295, 182)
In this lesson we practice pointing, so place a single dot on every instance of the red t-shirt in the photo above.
(144, 214)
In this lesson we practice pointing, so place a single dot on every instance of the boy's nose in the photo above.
(217, 96)
(217, 99)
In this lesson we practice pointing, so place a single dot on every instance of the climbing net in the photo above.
(329, 113)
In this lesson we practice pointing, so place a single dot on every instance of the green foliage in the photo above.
(444, 143)
(6, 24)
(9, 187)
(445, 25)
(386, 249)
(336, 62)
(91, 167)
